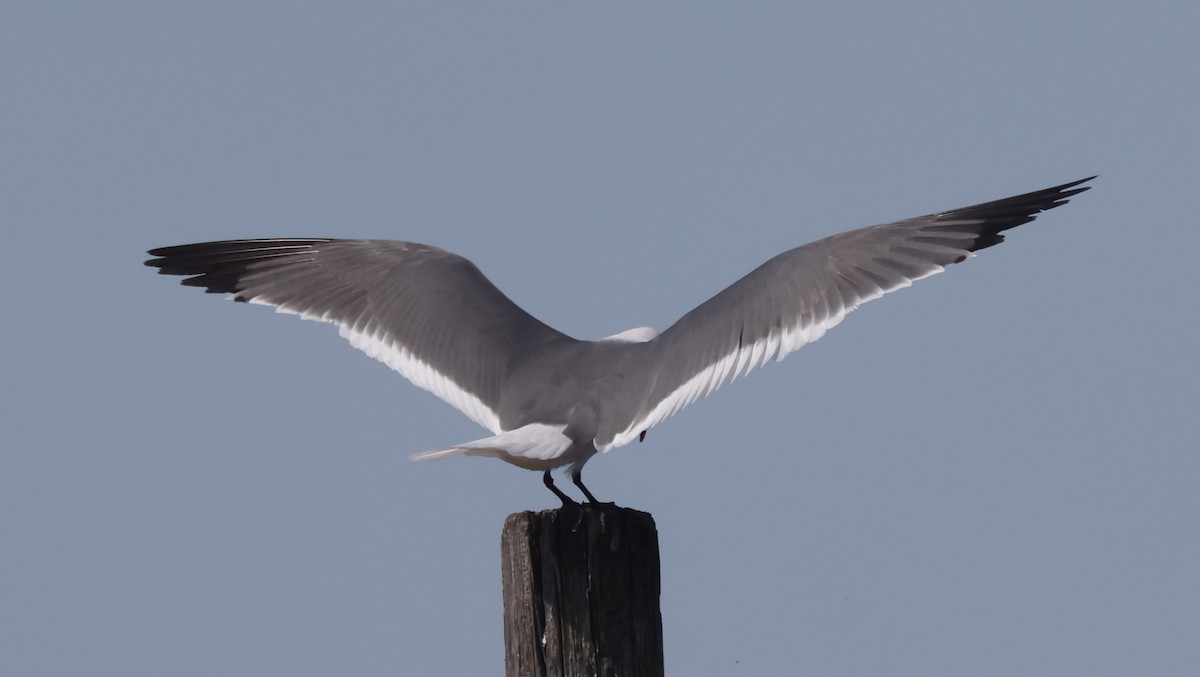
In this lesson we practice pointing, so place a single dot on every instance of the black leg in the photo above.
(577, 478)
(549, 482)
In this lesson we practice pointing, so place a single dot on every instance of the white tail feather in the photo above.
(536, 441)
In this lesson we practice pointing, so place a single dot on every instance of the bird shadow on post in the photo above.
(581, 593)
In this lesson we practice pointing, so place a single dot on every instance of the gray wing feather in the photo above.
(430, 314)
(793, 298)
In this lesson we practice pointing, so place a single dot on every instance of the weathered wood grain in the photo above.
(581, 593)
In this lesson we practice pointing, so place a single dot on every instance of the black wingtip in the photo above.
(1058, 195)
(1076, 183)
(1007, 213)
(218, 267)
(159, 253)
(1068, 189)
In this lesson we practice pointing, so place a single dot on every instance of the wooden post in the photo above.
(581, 589)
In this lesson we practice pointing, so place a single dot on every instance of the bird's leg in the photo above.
(577, 478)
(549, 482)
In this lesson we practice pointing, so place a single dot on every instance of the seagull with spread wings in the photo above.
(552, 401)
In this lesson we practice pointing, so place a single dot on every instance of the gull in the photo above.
(552, 401)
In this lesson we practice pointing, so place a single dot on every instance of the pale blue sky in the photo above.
(991, 473)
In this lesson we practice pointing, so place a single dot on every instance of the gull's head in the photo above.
(635, 335)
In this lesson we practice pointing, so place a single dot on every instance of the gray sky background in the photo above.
(991, 473)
